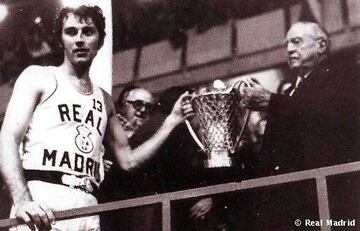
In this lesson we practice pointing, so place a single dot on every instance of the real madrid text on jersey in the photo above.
(66, 132)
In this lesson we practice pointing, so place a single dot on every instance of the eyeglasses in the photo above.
(139, 104)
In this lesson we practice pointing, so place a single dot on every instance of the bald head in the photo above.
(307, 45)
(137, 105)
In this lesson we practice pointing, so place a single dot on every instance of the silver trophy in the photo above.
(220, 123)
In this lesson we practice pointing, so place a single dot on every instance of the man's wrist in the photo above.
(171, 121)
(21, 197)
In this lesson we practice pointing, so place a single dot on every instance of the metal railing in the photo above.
(165, 199)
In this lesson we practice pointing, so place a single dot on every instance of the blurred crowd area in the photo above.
(26, 32)
(21, 48)
(143, 22)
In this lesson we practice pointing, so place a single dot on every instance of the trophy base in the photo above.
(218, 159)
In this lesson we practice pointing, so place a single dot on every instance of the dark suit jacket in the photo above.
(314, 127)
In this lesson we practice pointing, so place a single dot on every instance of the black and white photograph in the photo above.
(180, 115)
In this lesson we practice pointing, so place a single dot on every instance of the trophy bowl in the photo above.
(220, 123)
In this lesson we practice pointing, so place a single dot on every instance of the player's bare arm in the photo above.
(31, 88)
(117, 143)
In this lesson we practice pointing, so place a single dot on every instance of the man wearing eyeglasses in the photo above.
(134, 107)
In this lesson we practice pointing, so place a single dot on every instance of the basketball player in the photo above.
(61, 118)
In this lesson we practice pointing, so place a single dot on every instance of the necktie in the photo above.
(299, 80)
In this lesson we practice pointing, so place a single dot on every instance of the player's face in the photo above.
(138, 106)
(80, 39)
(302, 46)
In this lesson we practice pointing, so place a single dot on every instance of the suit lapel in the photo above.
(317, 79)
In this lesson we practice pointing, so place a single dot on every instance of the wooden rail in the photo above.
(319, 175)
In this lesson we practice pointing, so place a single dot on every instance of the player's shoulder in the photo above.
(35, 69)
(37, 77)
(35, 73)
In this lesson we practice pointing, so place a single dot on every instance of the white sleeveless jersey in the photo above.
(66, 131)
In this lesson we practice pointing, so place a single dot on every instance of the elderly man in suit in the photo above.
(313, 123)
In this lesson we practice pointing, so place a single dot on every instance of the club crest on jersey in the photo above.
(82, 140)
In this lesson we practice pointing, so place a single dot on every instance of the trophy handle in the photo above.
(242, 129)
(193, 134)
(240, 87)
